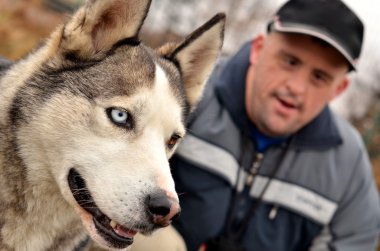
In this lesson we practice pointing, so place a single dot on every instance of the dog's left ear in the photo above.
(99, 25)
(196, 56)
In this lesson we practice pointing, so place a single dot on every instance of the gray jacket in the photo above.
(313, 192)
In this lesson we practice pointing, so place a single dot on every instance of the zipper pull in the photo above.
(273, 212)
(254, 169)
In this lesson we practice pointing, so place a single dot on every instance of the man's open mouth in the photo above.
(115, 234)
(287, 104)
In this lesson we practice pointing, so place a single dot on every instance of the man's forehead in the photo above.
(298, 43)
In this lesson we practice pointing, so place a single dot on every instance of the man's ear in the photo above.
(256, 46)
(95, 28)
(341, 87)
(195, 56)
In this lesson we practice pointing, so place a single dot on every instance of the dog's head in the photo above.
(105, 113)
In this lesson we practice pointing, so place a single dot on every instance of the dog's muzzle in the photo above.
(159, 208)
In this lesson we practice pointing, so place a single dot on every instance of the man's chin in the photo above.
(276, 129)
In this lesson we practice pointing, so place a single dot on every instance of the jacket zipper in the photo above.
(253, 171)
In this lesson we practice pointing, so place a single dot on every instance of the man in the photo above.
(266, 166)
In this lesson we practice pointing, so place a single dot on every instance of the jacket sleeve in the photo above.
(356, 224)
(204, 200)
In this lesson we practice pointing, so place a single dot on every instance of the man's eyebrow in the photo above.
(284, 53)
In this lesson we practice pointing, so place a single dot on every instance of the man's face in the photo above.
(290, 80)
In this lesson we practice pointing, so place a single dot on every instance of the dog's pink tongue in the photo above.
(120, 230)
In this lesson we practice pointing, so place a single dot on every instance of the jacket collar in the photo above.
(321, 133)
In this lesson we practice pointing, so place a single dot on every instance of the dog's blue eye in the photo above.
(120, 117)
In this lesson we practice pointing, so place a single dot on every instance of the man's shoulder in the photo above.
(349, 134)
(351, 156)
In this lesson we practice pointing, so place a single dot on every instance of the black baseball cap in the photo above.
(329, 20)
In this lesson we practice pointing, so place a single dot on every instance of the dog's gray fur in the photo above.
(54, 119)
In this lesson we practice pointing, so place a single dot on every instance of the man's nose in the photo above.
(297, 83)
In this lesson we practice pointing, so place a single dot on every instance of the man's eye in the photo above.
(318, 76)
(288, 62)
(320, 79)
(120, 117)
(291, 61)
(173, 141)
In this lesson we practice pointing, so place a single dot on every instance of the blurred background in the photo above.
(25, 23)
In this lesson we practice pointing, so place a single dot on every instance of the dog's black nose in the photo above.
(162, 208)
(159, 205)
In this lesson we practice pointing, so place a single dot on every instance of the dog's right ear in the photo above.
(98, 26)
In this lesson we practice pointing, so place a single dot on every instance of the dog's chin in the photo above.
(104, 236)
(106, 232)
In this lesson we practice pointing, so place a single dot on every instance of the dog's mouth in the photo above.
(116, 235)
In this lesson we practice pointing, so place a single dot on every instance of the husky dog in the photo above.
(87, 124)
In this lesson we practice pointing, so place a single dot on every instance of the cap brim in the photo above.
(315, 32)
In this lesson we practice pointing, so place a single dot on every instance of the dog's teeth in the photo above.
(113, 223)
